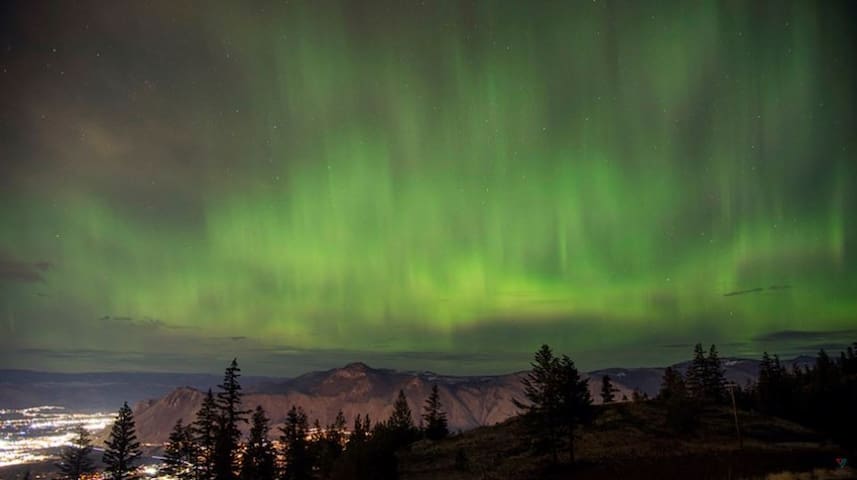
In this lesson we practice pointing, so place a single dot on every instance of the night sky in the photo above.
(424, 185)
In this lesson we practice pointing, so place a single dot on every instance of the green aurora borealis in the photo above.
(441, 185)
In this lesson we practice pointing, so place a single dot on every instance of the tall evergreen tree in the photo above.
(401, 423)
(367, 424)
(335, 432)
(330, 445)
(696, 373)
(123, 449)
(672, 385)
(75, 458)
(541, 390)
(680, 410)
(204, 436)
(296, 453)
(575, 401)
(259, 459)
(229, 416)
(358, 434)
(180, 452)
(434, 416)
(607, 390)
(715, 377)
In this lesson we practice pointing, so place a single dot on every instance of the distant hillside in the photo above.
(359, 389)
(354, 389)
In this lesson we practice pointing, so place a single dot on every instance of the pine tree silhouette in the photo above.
(434, 416)
(607, 390)
(358, 434)
(75, 459)
(205, 435)
(296, 453)
(259, 459)
(696, 373)
(575, 402)
(558, 397)
(229, 416)
(123, 449)
(401, 423)
(715, 377)
(180, 452)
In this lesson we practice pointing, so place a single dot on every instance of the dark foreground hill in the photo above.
(631, 441)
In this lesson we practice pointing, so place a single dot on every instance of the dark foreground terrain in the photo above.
(626, 441)
(631, 441)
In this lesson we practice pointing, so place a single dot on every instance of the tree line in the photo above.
(212, 447)
(557, 404)
(820, 394)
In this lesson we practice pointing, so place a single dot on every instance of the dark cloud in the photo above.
(145, 322)
(772, 288)
(743, 292)
(14, 270)
(805, 335)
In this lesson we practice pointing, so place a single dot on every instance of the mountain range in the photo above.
(356, 388)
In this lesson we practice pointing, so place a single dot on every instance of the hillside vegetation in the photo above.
(628, 440)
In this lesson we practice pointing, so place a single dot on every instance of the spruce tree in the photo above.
(696, 374)
(180, 453)
(330, 445)
(204, 436)
(434, 416)
(367, 424)
(335, 433)
(672, 385)
(541, 390)
(575, 401)
(296, 453)
(680, 410)
(715, 377)
(123, 449)
(607, 390)
(358, 434)
(259, 459)
(401, 423)
(229, 416)
(75, 458)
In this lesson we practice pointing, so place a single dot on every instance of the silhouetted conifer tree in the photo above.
(575, 402)
(180, 453)
(680, 409)
(123, 449)
(540, 388)
(204, 430)
(75, 459)
(330, 445)
(607, 390)
(401, 423)
(696, 373)
(715, 377)
(434, 416)
(259, 459)
(358, 434)
(229, 414)
(297, 455)
(558, 398)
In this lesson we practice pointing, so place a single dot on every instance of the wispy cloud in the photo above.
(772, 288)
(15, 270)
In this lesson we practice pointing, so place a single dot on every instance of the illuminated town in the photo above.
(32, 435)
